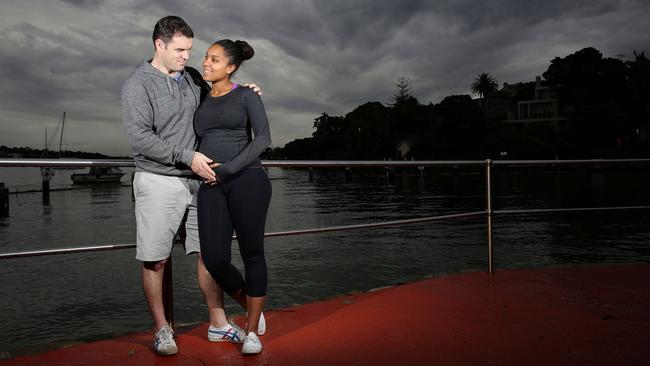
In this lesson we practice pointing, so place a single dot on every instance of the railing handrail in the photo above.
(64, 163)
(569, 162)
(82, 163)
(100, 248)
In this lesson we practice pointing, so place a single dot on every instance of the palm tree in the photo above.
(485, 85)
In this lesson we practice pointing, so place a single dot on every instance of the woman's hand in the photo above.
(215, 179)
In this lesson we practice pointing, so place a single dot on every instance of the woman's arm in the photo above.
(261, 137)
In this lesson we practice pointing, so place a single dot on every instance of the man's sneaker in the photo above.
(261, 326)
(252, 344)
(164, 344)
(228, 333)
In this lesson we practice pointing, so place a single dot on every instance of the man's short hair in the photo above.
(166, 28)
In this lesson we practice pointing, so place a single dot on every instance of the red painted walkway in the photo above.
(552, 316)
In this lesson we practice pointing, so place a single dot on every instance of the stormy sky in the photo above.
(311, 56)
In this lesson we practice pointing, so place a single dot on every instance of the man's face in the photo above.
(175, 54)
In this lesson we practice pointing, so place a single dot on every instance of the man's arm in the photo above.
(137, 114)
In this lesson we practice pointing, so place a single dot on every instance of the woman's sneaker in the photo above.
(164, 344)
(252, 344)
(229, 333)
(261, 326)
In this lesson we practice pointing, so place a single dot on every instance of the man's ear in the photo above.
(160, 45)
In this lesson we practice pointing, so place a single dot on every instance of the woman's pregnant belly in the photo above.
(222, 147)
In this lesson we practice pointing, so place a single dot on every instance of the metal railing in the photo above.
(489, 211)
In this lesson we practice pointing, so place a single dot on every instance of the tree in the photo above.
(403, 93)
(639, 102)
(596, 92)
(370, 132)
(328, 127)
(330, 137)
(460, 126)
(485, 85)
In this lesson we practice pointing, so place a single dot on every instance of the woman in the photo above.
(233, 130)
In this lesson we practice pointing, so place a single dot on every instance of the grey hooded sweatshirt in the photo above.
(158, 114)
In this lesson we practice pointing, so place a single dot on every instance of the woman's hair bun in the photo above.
(247, 50)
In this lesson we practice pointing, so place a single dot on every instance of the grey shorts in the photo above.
(160, 205)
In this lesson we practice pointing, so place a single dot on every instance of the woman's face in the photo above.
(216, 66)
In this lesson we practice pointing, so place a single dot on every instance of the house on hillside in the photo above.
(544, 108)
(494, 108)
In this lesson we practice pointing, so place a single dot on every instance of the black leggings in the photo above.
(240, 204)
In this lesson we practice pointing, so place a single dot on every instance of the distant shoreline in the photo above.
(31, 153)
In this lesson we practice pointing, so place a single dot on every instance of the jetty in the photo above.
(581, 315)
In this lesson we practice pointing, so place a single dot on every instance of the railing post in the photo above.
(4, 201)
(46, 175)
(390, 173)
(168, 292)
(488, 194)
(421, 186)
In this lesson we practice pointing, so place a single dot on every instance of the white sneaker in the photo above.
(252, 344)
(164, 344)
(228, 333)
(261, 326)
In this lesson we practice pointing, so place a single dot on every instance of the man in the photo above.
(158, 104)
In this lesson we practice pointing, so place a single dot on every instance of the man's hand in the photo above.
(201, 166)
(216, 179)
(255, 88)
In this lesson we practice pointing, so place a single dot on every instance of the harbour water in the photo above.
(57, 300)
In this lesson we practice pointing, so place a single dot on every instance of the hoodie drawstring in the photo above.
(169, 86)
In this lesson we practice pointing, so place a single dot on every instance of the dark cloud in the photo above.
(92, 4)
(311, 56)
(49, 68)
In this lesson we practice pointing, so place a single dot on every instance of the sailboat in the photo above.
(94, 175)
(48, 173)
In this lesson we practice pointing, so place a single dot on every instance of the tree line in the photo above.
(604, 105)
(31, 153)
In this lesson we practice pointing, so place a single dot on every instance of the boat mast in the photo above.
(61, 138)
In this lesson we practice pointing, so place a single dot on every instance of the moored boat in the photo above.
(98, 175)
